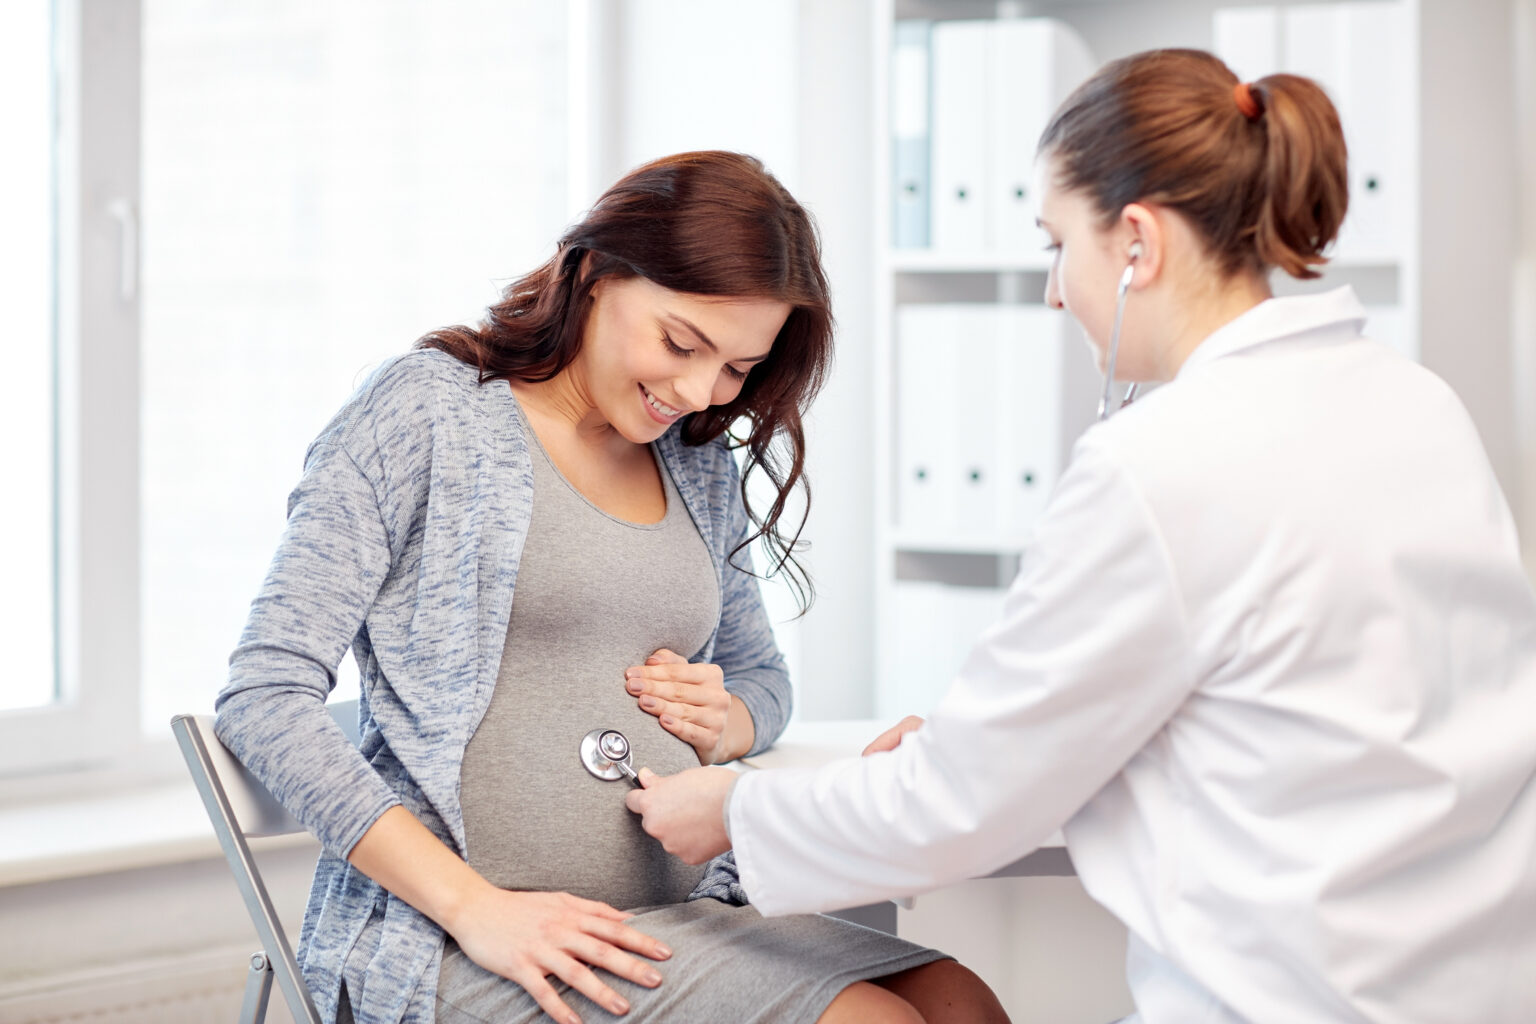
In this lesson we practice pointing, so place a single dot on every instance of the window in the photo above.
(27, 415)
(261, 201)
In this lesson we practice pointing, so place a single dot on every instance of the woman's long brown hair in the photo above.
(706, 223)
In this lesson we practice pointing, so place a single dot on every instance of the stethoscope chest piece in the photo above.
(605, 753)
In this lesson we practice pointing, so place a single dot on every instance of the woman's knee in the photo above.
(946, 991)
(864, 1003)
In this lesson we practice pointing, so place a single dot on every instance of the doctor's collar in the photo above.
(1279, 318)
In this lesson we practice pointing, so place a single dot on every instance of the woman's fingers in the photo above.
(583, 979)
(690, 700)
(693, 735)
(600, 953)
(597, 908)
(633, 939)
(534, 982)
(677, 682)
(892, 737)
(683, 812)
(666, 657)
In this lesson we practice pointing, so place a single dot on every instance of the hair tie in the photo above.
(1247, 102)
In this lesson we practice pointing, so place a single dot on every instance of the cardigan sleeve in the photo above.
(329, 566)
(744, 647)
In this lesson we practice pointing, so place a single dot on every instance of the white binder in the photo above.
(1037, 63)
(946, 421)
(962, 84)
(1021, 101)
(927, 428)
(910, 198)
(973, 406)
(1031, 419)
(1374, 79)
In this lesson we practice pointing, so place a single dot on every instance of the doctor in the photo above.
(1270, 659)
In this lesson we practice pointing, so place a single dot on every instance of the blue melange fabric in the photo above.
(403, 541)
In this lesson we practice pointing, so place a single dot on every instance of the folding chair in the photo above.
(241, 808)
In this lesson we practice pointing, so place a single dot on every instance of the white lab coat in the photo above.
(1270, 660)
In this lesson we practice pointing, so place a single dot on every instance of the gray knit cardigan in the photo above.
(402, 542)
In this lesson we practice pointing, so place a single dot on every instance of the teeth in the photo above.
(665, 410)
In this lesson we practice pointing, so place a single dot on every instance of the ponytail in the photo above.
(1259, 170)
(1305, 186)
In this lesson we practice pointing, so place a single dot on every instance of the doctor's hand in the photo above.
(892, 737)
(691, 703)
(529, 936)
(685, 811)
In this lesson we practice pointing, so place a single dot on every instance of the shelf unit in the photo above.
(1419, 278)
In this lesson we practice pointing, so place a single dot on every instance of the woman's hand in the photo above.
(692, 704)
(892, 737)
(686, 811)
(526, 936)
(523, 936)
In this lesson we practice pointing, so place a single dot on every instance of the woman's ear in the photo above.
(1144, 250)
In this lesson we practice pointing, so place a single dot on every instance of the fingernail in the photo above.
(634, 686)
(631, 673)
(647, 702)
(572, 1019)
(651, 977)
(668, 720)
(619, 1006)
(663, 952)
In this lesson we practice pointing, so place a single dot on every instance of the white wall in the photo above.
(1467, 217)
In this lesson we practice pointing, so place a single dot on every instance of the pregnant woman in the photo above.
(525, 531)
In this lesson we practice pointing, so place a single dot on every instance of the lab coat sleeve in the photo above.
(1089, 660)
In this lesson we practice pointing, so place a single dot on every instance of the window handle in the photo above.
(124, 213)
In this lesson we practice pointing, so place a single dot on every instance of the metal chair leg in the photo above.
(258, 989)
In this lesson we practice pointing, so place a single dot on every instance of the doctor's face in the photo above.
(650, 355)
(1087, 261)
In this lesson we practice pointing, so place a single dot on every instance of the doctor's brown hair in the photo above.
(705, 223)
(1259, 171)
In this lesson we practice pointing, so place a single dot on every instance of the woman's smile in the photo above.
(660, 411)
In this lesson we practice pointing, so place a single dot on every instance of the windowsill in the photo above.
(136, 828)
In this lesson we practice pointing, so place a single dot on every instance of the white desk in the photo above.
(812, 744)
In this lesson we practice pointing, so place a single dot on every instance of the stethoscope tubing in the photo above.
(1105, 411)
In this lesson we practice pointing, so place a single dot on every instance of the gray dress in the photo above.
(596, 594)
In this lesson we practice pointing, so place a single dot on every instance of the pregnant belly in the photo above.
(536, 819)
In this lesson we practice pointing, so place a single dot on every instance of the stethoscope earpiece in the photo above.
(1106, 409)
(606, 754)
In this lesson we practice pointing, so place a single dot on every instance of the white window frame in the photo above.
(90, 736)
(97, 336)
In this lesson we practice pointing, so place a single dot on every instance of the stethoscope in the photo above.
(1114, 340)
(605, 753)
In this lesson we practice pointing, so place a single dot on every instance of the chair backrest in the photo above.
(240, 807)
